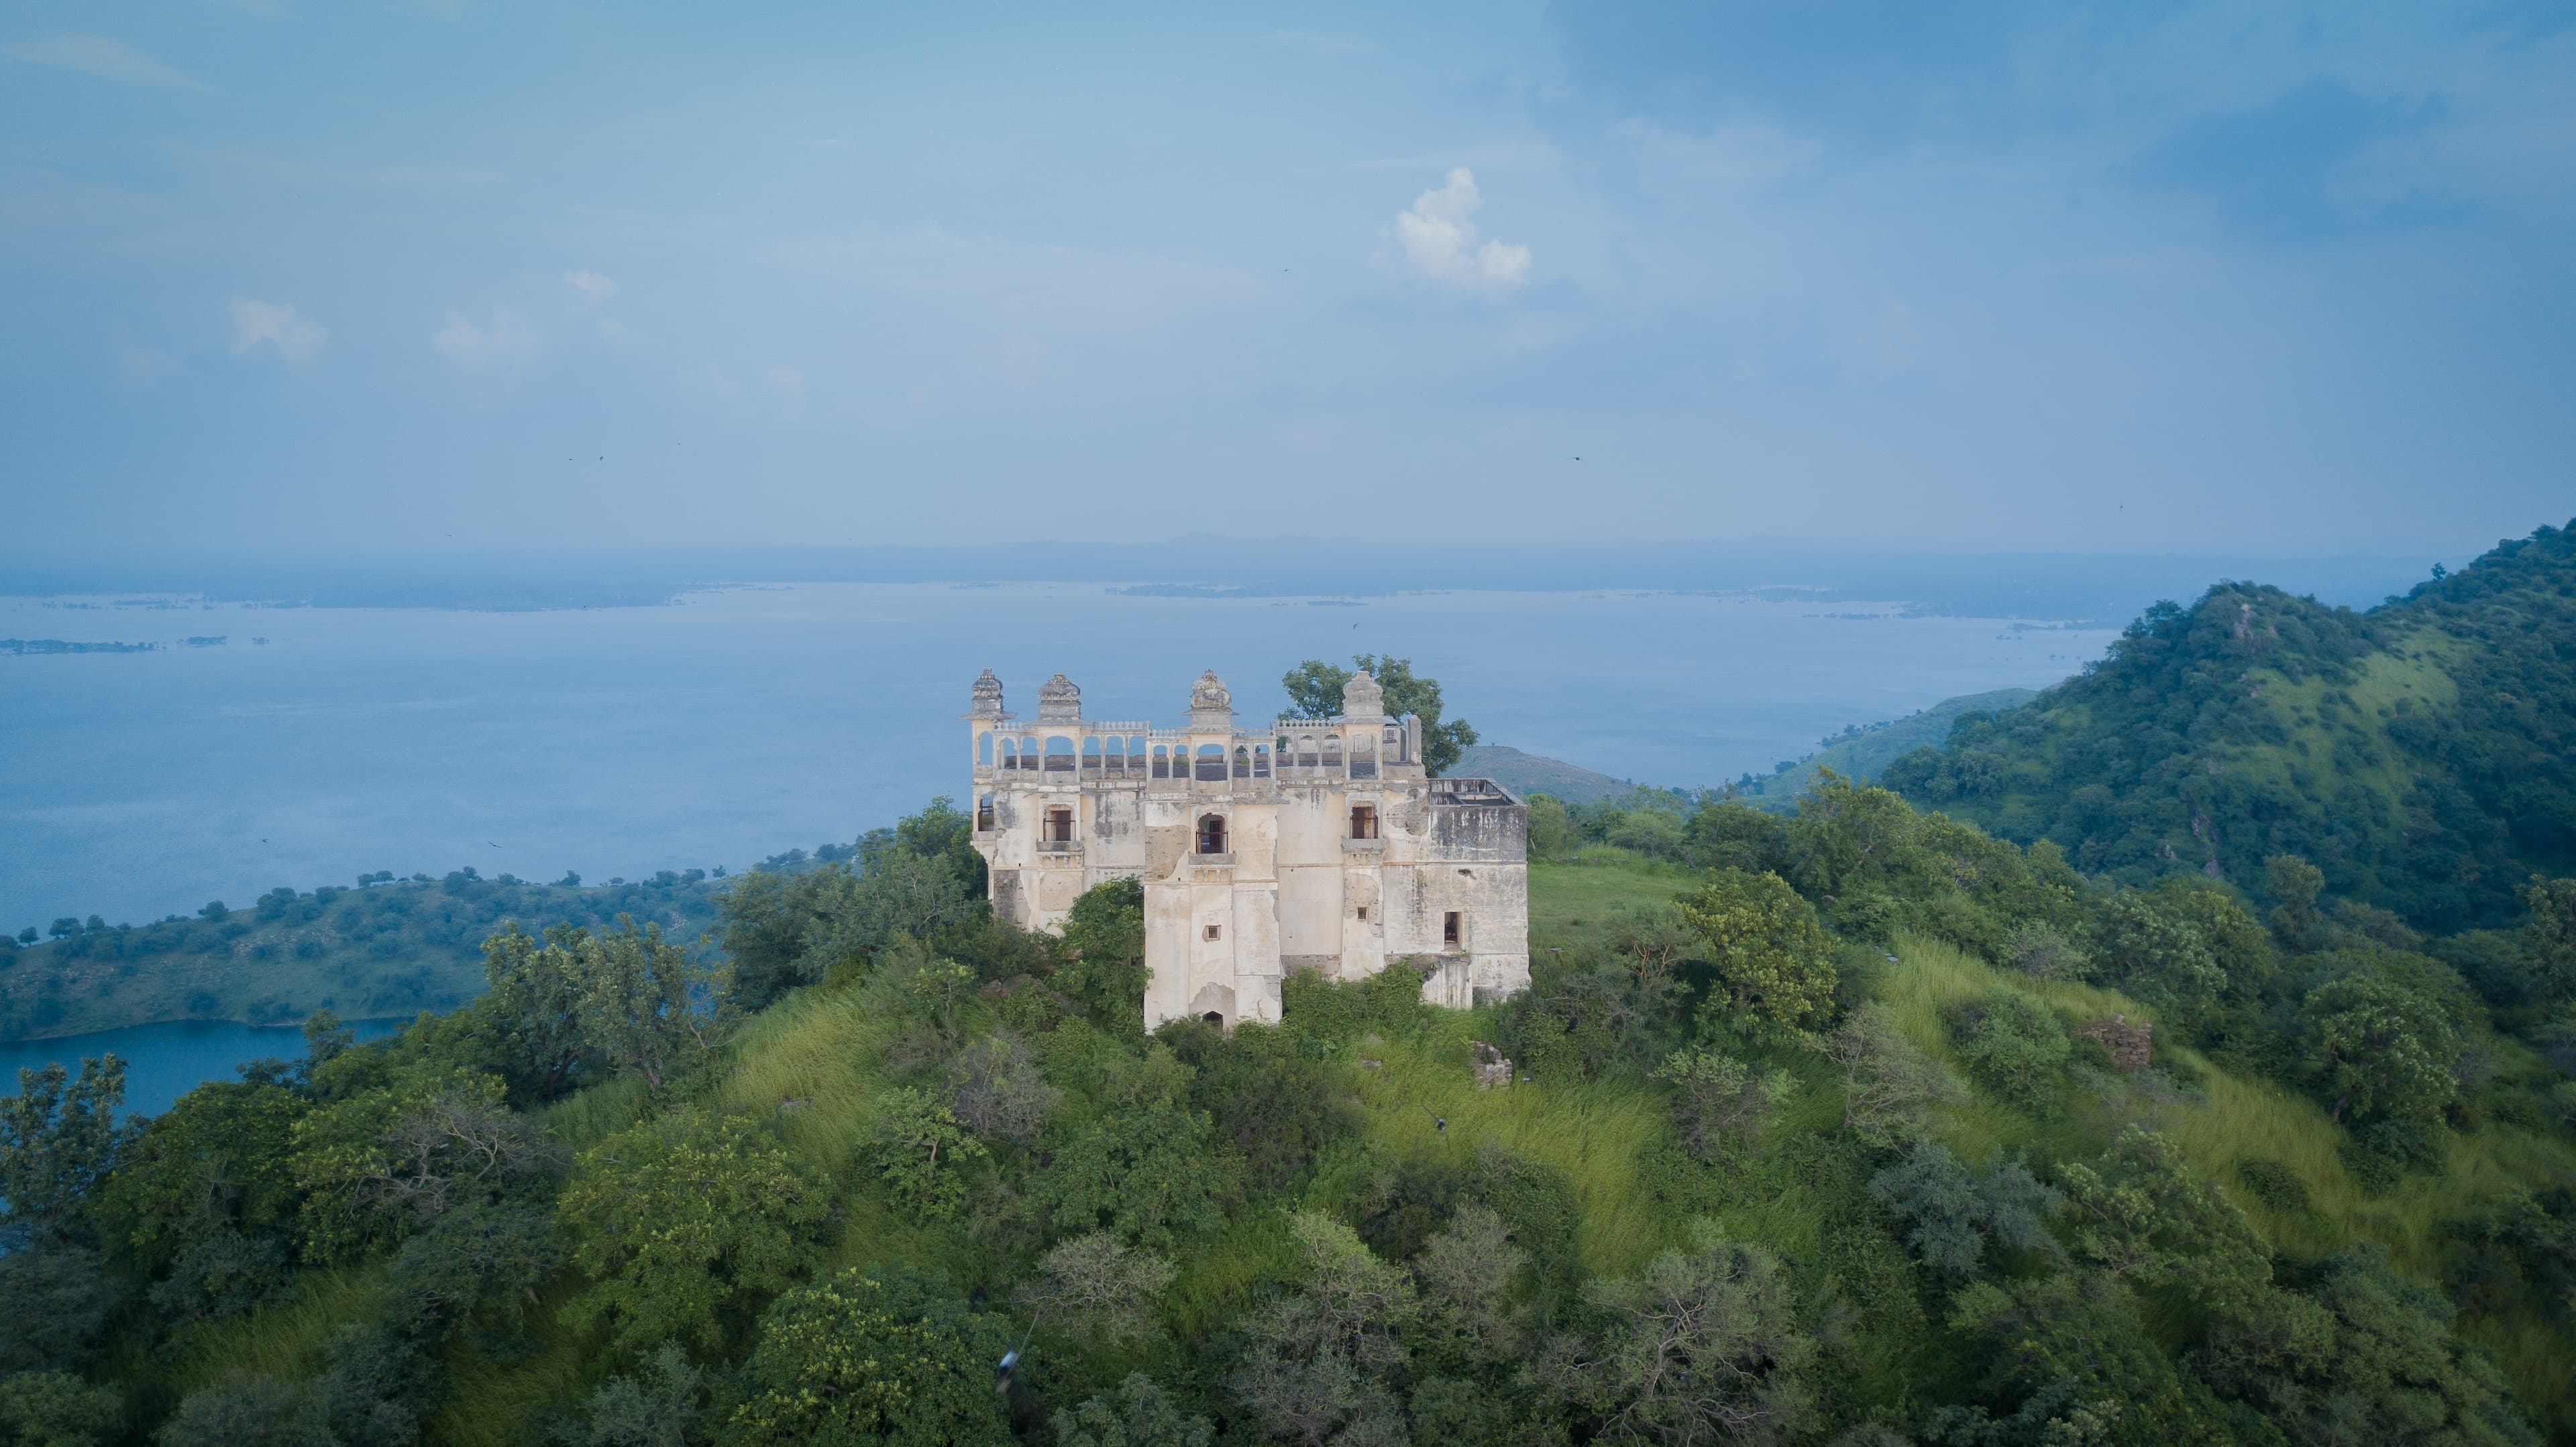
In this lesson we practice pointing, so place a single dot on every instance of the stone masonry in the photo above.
(1304, 843)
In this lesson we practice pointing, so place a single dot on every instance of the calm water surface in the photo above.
(742, 722)
(164, 1062)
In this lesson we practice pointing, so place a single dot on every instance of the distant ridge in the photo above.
(1861, 753)
(1526, 774)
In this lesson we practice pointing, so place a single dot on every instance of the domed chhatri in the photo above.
(1263, 846)
(1362, 698)
(1059, 701)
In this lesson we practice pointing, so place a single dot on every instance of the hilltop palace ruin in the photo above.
(1308, 843)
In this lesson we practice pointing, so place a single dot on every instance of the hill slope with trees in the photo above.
(2421, 754)
(1865, 1129)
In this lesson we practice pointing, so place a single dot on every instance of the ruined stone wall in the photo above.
(1445, 880)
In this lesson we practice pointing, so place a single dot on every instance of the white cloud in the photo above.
(507, 338)
(611, 329)
(295, 335)
(595, 289)
(789, 384)
(1439, 241)
(99, 56)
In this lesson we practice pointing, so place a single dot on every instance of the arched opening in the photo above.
(1028, 752)
(1010, 754)
(1261, 761)
(1307, 758)
(1091, 755)
(1332, 751)
(1059, 754)
(1363, 757)
(1211, 763)
(1117, 755)
(1242, 762)
(1212, 834)
(1162, 761)
(984, 750)
(1215, 1017)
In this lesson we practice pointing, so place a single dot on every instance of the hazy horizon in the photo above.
(2002, 277)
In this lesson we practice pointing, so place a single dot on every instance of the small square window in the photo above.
(1363, 911)
(1214, 931)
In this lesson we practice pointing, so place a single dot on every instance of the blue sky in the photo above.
(2150, 277)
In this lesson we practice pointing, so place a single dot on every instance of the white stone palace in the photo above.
(1305, 843)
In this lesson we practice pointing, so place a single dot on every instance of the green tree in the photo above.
(1848, 838)
(995, 1090)
(56, 1302)
(887, 1355)
(623, 1003)
(2068, 1364)
(219, 1158)
(1775, 968)
(2294, 884)
(57, 1409)
(248, 1410)
(1717, 1097)
(1951, 1215)
(2363, 1356)
(1141, 1415)
(1552, 831)
(59, 1138)
(2377, 1047)
(1702, 1346)
(1314, 690)
(922, 1153)
(2142, 1215)
(683, 1222)
(1096, 1285)
(2013, 1043)
(476, 1267)
(1104, 940)
(662, 1405)
(385, 1162)
(1890, 1087)
(1145, 1171)
(1320, 1364)
(1464, 1279)
(2549, 936)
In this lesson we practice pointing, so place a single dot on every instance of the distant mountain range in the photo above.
(1859, 753)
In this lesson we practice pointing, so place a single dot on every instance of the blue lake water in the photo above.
(166, 1061)
(740, 722)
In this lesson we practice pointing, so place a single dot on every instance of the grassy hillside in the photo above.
(2422, 754)
(1694, 1126)
(1860, 753)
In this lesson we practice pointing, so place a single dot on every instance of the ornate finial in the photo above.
(988, 697)
(1208, 695)
(1059, 701)
(1362, 698)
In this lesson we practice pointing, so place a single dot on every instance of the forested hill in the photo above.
(2418, 753)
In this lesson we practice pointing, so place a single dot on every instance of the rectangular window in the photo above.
(1451, 930)
(1363, 821)
(1363, 911)
(1214, 931)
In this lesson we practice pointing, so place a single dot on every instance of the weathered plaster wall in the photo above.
(1293, 889)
